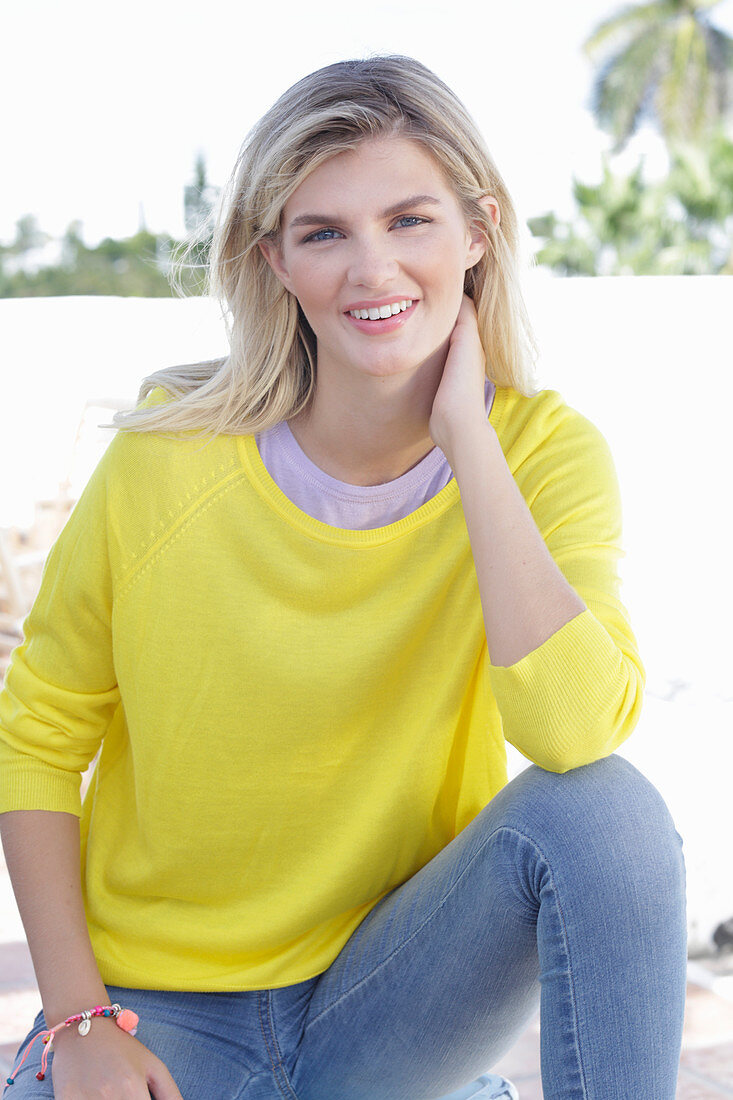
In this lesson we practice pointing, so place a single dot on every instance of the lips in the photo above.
(374, 326)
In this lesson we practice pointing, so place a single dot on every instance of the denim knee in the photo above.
(605, 812)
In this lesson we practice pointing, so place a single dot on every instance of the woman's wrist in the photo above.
(460, 445)
(81, 1023)
(63, 1005)
(66, 1035)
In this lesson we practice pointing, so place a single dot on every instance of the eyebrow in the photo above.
(396, 208)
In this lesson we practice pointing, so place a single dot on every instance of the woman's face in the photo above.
(369, 229)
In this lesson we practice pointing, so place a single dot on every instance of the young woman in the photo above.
(308, 593)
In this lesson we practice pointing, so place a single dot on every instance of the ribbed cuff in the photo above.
(30, 784)
(554, 703)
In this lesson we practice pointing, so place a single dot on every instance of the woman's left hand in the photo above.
(459, 400)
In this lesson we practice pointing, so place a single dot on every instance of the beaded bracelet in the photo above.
(124, 1018)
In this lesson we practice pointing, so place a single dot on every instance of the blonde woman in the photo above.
(306, 597)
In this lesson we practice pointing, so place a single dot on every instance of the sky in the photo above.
(106, 107)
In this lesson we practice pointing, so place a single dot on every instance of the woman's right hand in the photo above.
(108, 1064)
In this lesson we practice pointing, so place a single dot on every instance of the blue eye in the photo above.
(328, 233)
(413, 219)
(319, 235)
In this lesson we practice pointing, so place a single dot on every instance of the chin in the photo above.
(389, 369)
(400, 362)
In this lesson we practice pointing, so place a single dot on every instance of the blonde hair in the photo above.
(270, 371)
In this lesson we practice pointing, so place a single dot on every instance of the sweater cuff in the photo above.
(30, 784)
(554, 703)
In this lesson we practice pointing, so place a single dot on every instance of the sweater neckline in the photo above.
(276, 499)
(422, 471)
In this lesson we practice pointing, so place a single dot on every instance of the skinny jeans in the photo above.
(566, 890)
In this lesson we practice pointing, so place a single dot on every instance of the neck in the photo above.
(368, 430)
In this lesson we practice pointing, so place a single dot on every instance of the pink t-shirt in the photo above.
(355, 507)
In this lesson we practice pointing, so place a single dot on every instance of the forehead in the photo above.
(377, 172)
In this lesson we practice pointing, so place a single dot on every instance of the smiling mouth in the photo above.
(380, 313)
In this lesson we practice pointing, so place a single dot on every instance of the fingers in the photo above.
(115, 1067)
(161, 1084)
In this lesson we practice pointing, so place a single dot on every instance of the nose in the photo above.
(372, 263)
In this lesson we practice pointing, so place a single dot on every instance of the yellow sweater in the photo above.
(293, 718)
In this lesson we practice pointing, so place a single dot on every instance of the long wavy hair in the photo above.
(270, 371)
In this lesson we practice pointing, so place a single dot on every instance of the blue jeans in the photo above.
(567, 889)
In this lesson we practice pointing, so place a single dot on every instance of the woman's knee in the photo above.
(606, 810)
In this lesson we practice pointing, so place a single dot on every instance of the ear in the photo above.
(273, 254)
(477, 245)
(490, 204)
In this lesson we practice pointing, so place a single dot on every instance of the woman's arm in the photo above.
(42, 854)
(564, 666)
(524, 596)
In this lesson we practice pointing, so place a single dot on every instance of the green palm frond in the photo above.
(626, 23)
(720, 54)
(623, 91)
(663, 59)
(624, 224)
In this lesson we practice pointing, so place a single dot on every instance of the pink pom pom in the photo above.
(128, 1020)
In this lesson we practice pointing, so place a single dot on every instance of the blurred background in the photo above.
(612, 124)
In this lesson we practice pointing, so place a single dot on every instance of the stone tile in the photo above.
(708, 1019)
(16, 968)
(714, 1063)
(690, 1088)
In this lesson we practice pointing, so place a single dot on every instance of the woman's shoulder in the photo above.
(148, 483)
(540, 418)
(160, 470)
(542, 435)
(147, 451)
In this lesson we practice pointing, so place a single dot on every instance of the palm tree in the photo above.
(666, 61)
(680, 225)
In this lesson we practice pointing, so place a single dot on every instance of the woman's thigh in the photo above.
(556, 885)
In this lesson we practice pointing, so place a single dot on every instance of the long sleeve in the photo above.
(578, 696)
(61, 691)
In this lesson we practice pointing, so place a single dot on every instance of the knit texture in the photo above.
(293, 718)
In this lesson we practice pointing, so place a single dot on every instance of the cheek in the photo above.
(305, 290)
(315, 304)
(313, 285)
(444, 266)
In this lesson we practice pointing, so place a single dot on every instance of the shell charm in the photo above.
(85, 1026)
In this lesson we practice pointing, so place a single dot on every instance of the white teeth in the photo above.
(378, 312)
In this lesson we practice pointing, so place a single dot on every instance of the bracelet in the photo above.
(125, 1018)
